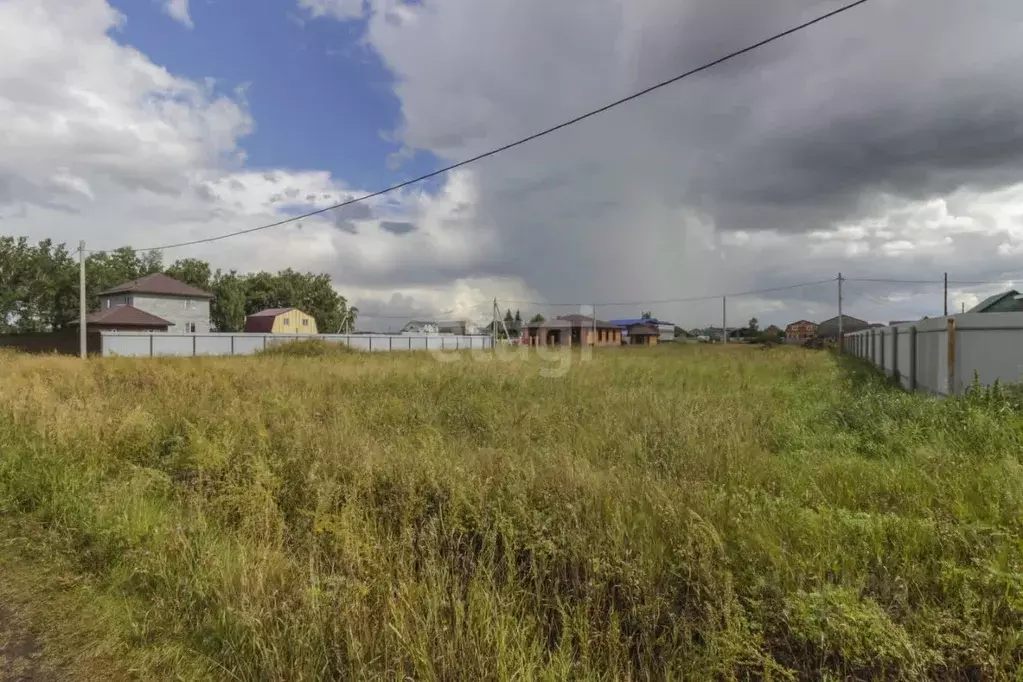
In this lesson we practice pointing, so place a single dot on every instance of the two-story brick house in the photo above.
(803, 329)
(184, 308)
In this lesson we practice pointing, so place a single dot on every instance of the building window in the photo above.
(287, 322)
(305, 321)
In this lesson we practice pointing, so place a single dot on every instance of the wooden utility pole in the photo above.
(840, 312)
(82, 331)
(724, 319)
(946, 294)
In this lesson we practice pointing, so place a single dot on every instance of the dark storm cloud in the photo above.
(345, 218)
(395, 227)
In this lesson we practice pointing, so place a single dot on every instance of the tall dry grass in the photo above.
(674, 513)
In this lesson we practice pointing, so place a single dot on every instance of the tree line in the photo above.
(39, 287)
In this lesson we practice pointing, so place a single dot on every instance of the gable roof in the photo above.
(793, 324)
(990, 301)
(271, 312)
(125, 316)
(641, 320)
(157, 283)
(585, 321)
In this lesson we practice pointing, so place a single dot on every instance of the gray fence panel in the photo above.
(133, 345)
(157, 344)
(173, 344)
(990, 344)
(213, 344)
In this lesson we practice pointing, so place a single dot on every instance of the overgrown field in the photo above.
(675, 513)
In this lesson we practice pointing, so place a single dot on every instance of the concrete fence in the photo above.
(942, 355)
(144, 344)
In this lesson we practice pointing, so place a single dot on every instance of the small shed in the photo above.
(281, 321)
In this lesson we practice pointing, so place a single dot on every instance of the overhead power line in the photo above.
(931, 281)
(689, 299)
(524, 140)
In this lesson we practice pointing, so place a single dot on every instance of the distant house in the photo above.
(281, 321)
(124, 318)
(774, 331)
(164, 298)
(665, 330)
(803, 329)
(458, 327)
(1006, 302)
(572, 330)
(642, 335)
(828, 329)
(420, 327)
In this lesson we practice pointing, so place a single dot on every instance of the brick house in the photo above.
(572, 330)
(803, 329)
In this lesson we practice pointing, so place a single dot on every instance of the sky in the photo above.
(883, 144)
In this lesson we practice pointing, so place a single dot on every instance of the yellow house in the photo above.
(281, 321)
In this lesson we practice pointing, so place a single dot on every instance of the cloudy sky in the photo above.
(886, 143)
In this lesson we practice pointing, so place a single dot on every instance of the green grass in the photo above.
(671, 513)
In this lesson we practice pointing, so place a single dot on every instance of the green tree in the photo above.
(537, 319)
(753, 325)
(192, 271)
(227, 312)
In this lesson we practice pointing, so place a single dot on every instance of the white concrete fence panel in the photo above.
(941, 355)
(146, 344)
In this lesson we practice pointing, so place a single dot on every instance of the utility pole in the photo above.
(82, 332)
(593, 339)
(946, 294)
(493, 327)
(724, 319)
(840, 312)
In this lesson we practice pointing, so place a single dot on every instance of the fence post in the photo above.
(912, 358)
(950, 333)
(390, 343)
(232, 344)
(150, 344)
(895, 355)
(371, 343)
(193, 345)
(883, 370)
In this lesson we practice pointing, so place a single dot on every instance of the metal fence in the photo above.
(145, 344)
(943, 355)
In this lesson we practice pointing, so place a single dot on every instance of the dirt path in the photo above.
(21, 655)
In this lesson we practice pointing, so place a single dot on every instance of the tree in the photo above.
(39, 287)
(537, 319)
(518, 319)
(193, 272)
(647, 315)
(227, 311)
(754, 325)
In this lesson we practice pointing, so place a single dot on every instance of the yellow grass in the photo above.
(665, 513)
